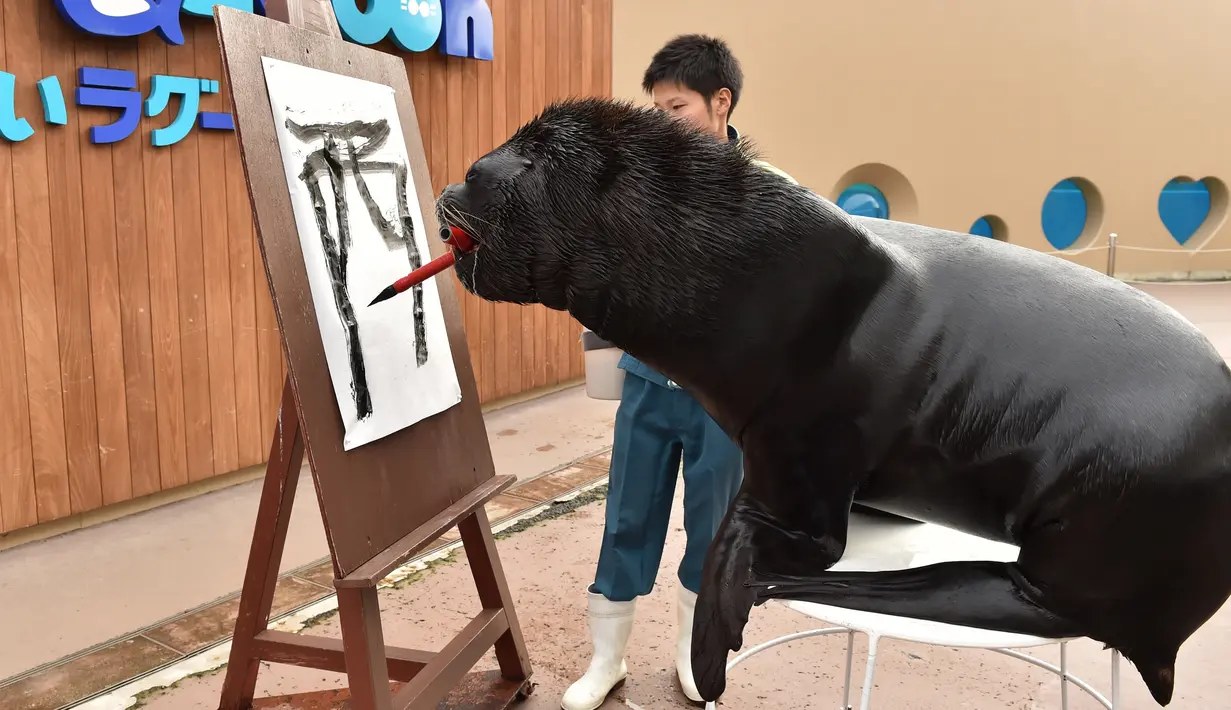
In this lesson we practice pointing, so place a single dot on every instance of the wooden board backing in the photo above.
(378, 493)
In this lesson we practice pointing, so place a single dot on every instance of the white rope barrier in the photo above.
(1075, 252)
(1191, 252)
(1112, 244)
(1111, 247)
(1173, 283)
(1104, 247)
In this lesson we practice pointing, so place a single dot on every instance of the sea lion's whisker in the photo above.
(460, 217)
(447, 212)
(466, 219)
(478, 219)
(474, 270)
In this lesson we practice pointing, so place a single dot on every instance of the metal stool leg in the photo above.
(1115, 680)
(850, 659)
(1064, 675)
(866, 701)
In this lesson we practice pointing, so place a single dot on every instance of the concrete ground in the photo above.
(112, 579)
(1207, 305)
(548, 566)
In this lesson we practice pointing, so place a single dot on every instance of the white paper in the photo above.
(401, 390)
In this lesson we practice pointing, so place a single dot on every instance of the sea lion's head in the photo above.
(681, 249)
(596, 204)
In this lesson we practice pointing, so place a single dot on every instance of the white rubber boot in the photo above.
(610, 624)
(685, 605)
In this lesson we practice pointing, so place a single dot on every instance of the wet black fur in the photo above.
(941, 376)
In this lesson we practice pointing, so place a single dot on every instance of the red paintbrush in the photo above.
(455, 237)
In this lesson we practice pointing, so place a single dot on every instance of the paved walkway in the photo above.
(549, 564)
(1207, 305)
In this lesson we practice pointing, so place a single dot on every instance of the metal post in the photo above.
(1115, 681)
(850, 657)
(865, 702)
(1111, 254)
(1064, 675)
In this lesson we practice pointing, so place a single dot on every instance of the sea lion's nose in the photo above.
(459, 195)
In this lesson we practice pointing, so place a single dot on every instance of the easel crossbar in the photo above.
(453, 661)
(326, 654)
(371, 572)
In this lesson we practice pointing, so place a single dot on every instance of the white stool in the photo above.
(877, 544)
(879, 626)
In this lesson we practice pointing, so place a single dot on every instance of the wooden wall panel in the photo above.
(103, 278)
(37, 273)
(17, 501)
(139, 350)
(136, 320)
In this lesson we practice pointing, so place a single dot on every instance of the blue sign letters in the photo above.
(52, 96)
(110, 88)
(468, 30)
(463, 27)
(413, 24)
(125, 18)
(162, 88)
(117, 89)
(12, 127)
(205, 8)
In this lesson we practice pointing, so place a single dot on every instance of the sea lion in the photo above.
(945, 377)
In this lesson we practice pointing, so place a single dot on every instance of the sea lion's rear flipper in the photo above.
(986, 595)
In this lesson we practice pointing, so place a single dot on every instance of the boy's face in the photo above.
(684, 103)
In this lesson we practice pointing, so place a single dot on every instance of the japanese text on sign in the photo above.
(117, 89)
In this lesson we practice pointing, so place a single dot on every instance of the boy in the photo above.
(694, 78)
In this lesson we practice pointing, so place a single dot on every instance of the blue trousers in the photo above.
(655, 427)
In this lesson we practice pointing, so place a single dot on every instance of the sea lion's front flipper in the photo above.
(725, 598)
(749, 543)
(986, 595)
(790, 517)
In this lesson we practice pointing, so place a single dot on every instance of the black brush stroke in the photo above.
(336, 260)
(387, 231)
(393, 239)
(374, 135)
(412, 251)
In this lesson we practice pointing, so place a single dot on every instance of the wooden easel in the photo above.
(380, 503)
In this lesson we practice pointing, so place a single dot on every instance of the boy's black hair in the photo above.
(698, 62)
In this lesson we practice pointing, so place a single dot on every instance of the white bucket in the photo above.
(604, 378)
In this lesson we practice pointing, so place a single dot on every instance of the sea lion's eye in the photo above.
(527, 163)
(472, 175)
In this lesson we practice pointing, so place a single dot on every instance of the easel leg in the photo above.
(363, 641)
(265, 556)
(493, 589)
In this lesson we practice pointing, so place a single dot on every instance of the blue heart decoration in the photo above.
(1183, 206)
